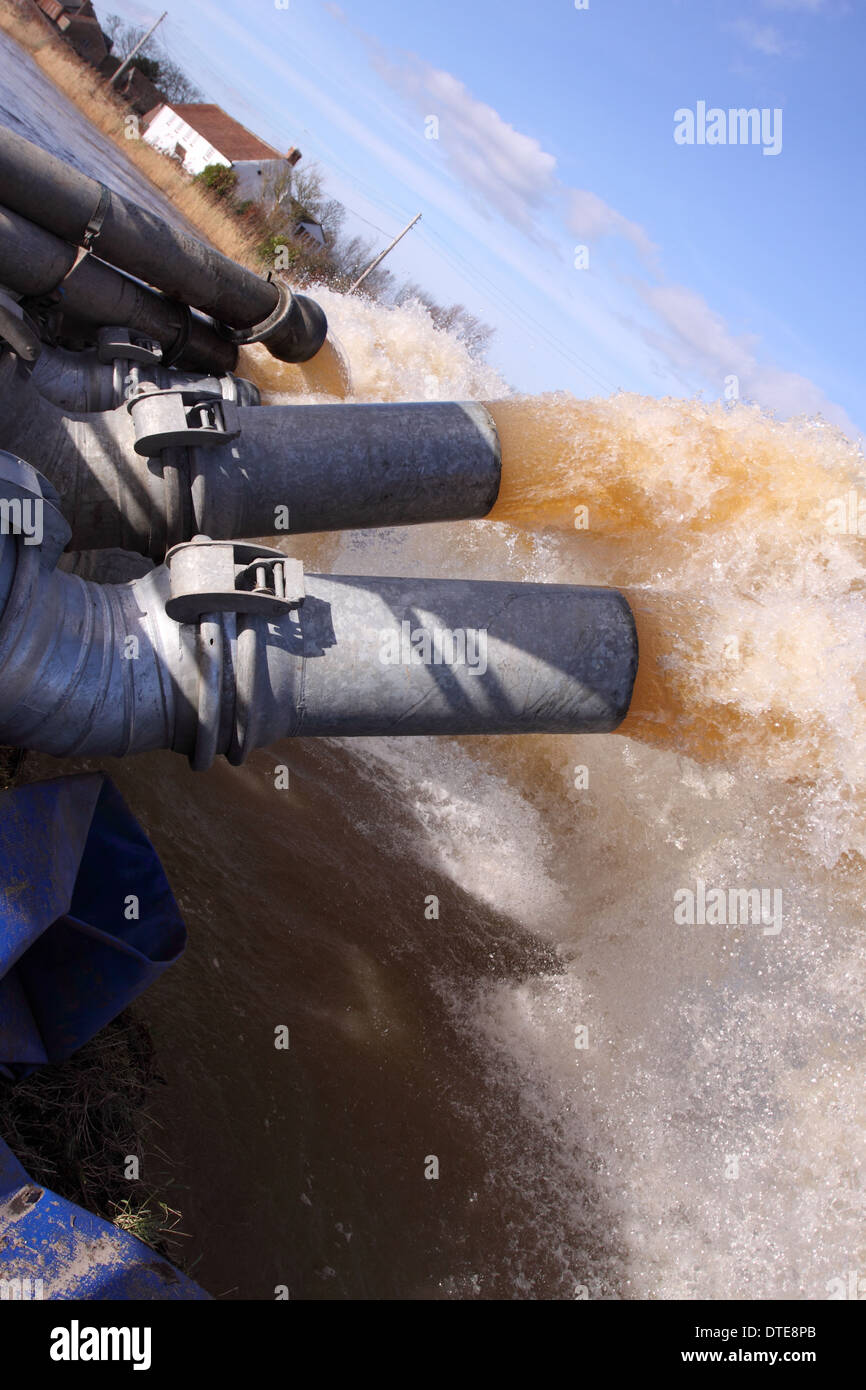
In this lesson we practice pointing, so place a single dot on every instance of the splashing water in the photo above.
(731, 532)
(704, 1140)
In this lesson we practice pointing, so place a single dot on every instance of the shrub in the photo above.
(219, 179)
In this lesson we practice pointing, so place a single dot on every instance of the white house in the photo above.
(199, 134)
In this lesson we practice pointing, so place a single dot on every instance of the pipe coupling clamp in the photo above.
(231, 577)
(181, 419)
(222, 588)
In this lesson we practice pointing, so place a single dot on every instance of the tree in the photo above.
(455, 319)
(352, 258)
(152, 60)
(299, 195)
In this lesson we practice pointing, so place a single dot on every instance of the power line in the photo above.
(519, 317)
(380, 258)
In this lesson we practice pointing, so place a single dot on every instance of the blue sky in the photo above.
(556, 130)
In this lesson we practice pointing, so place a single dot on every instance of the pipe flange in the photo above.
(293, 332)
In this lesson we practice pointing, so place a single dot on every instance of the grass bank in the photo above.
(87, 90)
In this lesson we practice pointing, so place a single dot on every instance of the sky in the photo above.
(582, 185)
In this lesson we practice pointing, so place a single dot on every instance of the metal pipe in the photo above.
(38, 266)
(82, 383)
(282, 469)
(106, 670)
(62, 200)
(40, 187)
(347, 466)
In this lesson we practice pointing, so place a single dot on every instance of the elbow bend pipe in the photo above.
(287, 469)
(106, 670)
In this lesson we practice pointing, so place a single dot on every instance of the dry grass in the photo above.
(11, 761)
(87, 90)
(74, 1125)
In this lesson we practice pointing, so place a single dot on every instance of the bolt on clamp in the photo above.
(214, 584)
(181, 419)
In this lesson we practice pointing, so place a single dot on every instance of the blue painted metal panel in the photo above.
(76, 868)
(52, 1249)
(87, 921)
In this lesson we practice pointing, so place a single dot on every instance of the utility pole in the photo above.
(126, 62)
(372, 266)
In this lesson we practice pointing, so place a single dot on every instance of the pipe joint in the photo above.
(293, 332)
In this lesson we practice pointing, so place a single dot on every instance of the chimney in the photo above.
(293, 156)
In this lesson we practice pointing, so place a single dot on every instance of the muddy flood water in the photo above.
(622, 1104)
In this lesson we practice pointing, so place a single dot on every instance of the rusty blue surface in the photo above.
(52, 1249)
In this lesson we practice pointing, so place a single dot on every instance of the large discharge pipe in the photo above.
(292, 468)
(168, 662)
(60, 199)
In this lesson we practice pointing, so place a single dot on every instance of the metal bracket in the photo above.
(17, 330)
(97, 217)
(178, 419)
(231, 577)
(113, 343)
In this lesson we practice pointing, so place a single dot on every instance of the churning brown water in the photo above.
(706, 1141)
(621, 1104)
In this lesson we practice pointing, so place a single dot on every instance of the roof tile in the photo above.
(222, 131)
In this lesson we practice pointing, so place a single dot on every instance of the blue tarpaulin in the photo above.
(87, 919)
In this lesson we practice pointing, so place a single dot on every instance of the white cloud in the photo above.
(699, 342)
(695, 341)
(501, 167)
(591, 217)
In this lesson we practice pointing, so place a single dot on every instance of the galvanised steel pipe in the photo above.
(80, 383)
(103, 670)
(346, 466)
(36, 265)
(291, 469)
(60, 199)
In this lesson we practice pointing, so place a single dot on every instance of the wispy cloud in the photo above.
(500, 167)
(697, 341)
(489, 166)
(591, 217)
(764, 38)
